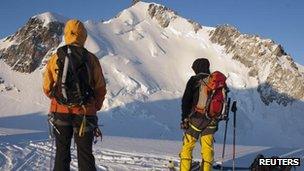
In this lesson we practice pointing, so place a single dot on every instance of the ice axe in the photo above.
(234, 109)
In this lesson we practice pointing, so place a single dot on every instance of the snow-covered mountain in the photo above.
(25, 50)
(278, 76)
(146, 52)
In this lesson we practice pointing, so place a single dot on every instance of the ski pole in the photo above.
(225, 133)
(53, 126)
(51, 120)
(51, 155)
(51, 138)
(234, 109)
(83, 125)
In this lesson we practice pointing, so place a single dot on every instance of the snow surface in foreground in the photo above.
(120, 153)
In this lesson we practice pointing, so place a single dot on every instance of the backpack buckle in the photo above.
(199, 110)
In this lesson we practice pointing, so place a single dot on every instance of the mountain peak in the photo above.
(48, 17)
(163, 15)
(25, 49)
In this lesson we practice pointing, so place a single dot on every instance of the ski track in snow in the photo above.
(39, 158)
(113, 156)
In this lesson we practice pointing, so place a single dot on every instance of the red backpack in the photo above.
(212, 95)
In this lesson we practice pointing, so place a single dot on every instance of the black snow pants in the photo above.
(68, 125)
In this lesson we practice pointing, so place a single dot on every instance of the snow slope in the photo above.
(146, 67)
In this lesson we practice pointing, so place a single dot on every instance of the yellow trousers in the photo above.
(207, 152)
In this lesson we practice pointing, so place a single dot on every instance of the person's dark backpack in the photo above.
(212, 96)
(72, 87)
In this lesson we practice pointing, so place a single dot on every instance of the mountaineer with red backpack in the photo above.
(203, 105)
(74, 82)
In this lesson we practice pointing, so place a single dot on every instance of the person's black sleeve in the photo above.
(187, 99)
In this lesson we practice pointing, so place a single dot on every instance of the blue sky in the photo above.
(280, 20)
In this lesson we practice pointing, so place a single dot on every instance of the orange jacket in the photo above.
(75, 34)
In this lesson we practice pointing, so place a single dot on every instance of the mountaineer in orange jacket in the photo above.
(74, 82)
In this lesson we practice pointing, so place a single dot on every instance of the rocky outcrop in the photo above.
(162, 14)
(279, 78)
(31, 43)
(4, 87)
(135, 1)
(196, 26)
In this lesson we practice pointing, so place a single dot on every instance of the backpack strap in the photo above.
(87, 64)
(60, 82)
(208, 101)
(65, 71)
(200, 107)
(86, 61)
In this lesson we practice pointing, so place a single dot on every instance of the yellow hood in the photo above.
(75, 33)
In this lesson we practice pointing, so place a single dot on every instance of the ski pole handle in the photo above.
(226, 116)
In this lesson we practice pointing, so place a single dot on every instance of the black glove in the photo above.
(223, 118)
(97, 133)
(184, 124)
